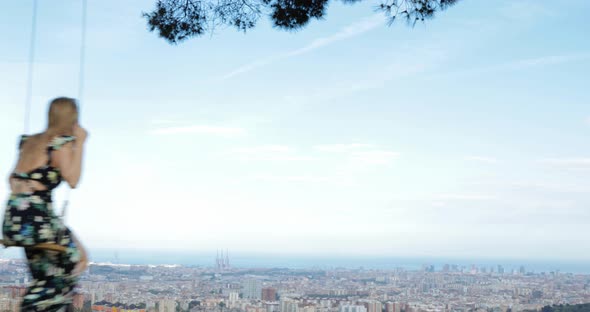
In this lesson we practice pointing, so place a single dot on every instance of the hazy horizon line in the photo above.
(351, 255)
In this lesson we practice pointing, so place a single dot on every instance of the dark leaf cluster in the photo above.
(178, 20)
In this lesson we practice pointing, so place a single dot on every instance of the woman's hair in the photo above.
(63, 115)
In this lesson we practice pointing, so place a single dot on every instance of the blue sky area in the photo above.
(465, 136)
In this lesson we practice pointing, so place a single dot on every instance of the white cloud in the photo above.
(484, 159)
(269, 153)
(160, 122)
(548, 60)
(572, 163)
(301, 178)
(439, 200)
(526, 11)
(361, 153)
(374, 157)
(356, 153)
(249, 67)
(559, 187)
(342, 147)
(464, 197)
(352, 30)
(380, 78)
(521, 64)
(200, 129)
(264, 149)
(271, 157)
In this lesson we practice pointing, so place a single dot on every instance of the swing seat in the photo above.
(42, 246)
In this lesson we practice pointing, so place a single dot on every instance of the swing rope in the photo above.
(29, 88)
(82, 51)
(31, 61)
(80, 85)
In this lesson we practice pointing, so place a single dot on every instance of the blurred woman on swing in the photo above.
(45, 159)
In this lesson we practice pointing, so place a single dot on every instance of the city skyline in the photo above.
(190, 289)
(463, 137)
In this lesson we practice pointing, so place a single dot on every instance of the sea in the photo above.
(323, 262)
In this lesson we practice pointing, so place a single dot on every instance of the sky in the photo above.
(464, 136)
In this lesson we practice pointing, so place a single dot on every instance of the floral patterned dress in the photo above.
(29, 220)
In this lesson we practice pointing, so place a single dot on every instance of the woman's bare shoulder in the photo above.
(33, 143)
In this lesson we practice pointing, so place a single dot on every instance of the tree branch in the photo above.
(178, 20)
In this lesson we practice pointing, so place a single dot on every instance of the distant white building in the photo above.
(234, 296)
(374, 306)
(272, 306)
(288, 305)
(167, 306)
(145, 278)
(5, 304)
(352, 308)
(252, 289)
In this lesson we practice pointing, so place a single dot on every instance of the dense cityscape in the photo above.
(223, 288)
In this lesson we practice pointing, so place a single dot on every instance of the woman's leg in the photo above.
(29, 221)
(83, 262)
(46, 284)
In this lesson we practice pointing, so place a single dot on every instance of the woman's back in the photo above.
(37, 167)
(33, 152)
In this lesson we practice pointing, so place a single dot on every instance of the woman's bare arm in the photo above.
(20, 186)
(68, 160)
(11, 181)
